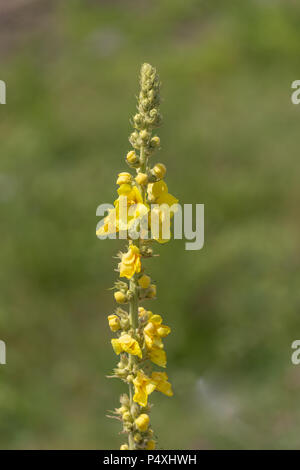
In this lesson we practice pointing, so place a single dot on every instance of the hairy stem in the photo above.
(133, 318)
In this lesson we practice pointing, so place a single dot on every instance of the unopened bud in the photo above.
(144, 135)
(120, 297)
(155, 141)
(124, 178)
(124, 322)
(137, 437)
(142, 422)
(131, 157)
(126, 416)
(138, 120)
(150, 445)
(141, 179)
(124, 400)
(152, 291)
(114, 322)
(144, 281)
(159, 170)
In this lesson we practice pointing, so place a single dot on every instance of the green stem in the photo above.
(134, 305)
(144, 162)
(133, 319)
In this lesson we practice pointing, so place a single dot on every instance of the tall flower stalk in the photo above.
(139, 331)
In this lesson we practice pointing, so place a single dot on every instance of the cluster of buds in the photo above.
(148, 116)
(136, 422)
(122, 294)
(139, 332)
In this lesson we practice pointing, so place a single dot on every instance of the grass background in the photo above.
(229, 140)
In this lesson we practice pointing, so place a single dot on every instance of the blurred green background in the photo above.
(230, 140)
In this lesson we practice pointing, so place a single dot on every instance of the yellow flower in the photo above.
(144, 281)
(162, 384)
(131, 192)
(127, 344)
(142, 422)
(150, 445)
(158, 194)
(124, 447)
(114, 322)
(154, 331)
(110, 224)
(130, 262)
(158, 356)
(124, 178)
(143, 386)
(134, 210)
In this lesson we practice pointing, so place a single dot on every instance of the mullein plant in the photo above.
(139, 332)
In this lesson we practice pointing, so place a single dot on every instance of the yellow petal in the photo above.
(140, 396)
(158, 356)
(167, 198)
(130, 345)
(109, 224)
(156, 189)
(156, 319)
(150, 387)
(116, 346)
(163, 331)
(124, 190)
(136, 195)
(162, 384)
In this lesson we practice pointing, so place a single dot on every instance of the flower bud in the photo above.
(145, 103)
(144, 281)
(126, 416)
(124, 400)
(155, 141)
(137, 437)
(138, 120)
(124, 178)
(159, 170)
(144, 135)
(150, 445)
(130, 378)
(124, 447)
(152, 291)
(124, 322)
(131, 157)
(141, 179)
(120, 297)
(121, 410)
(134, 140)
(142, 311)
(142, 422)
(114, 322)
